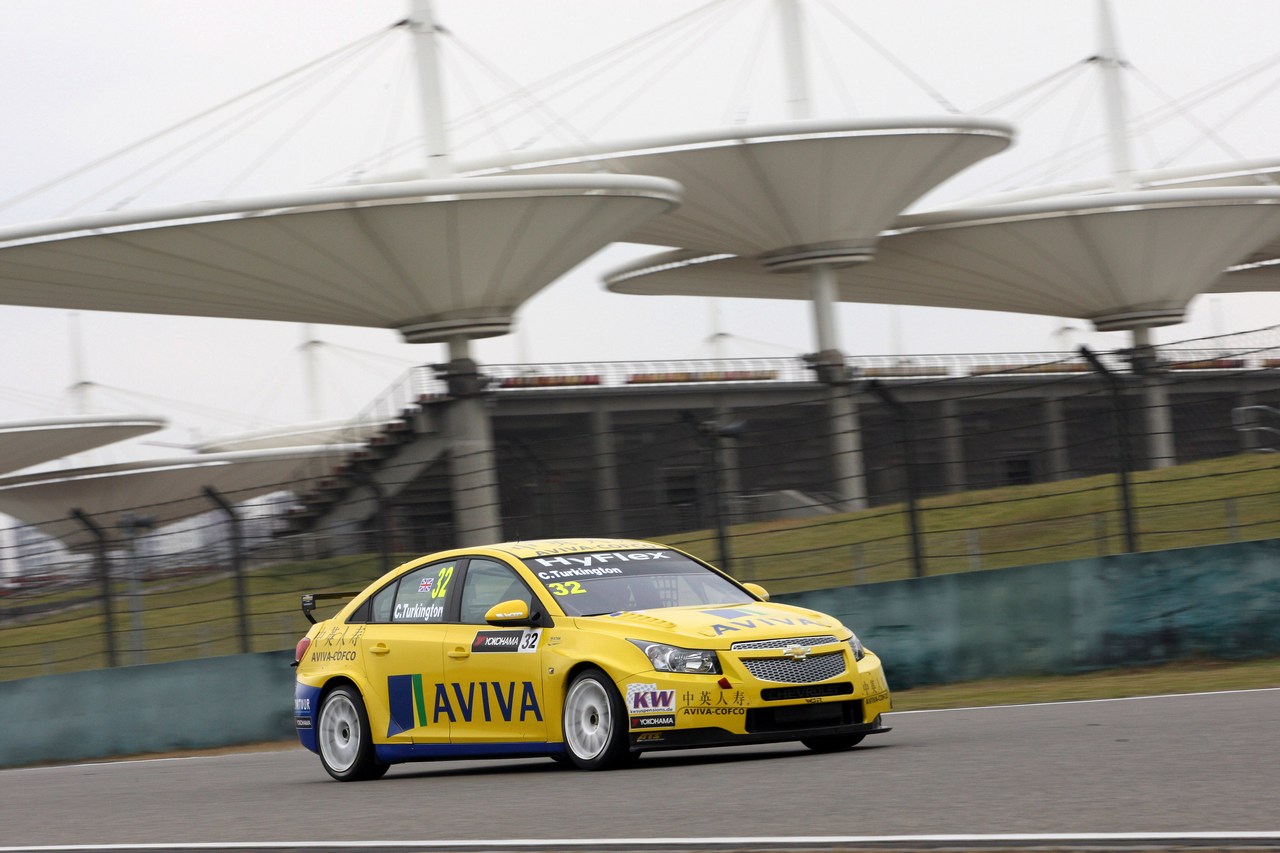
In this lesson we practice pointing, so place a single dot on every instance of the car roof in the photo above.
(547, 547)
(520, 550)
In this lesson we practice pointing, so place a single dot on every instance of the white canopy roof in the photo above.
(1123, 261)
(819, 186)
(1234, 173)
(434, 259)
(296, 435)
(27, 443)
(164, 489)
(1262, 272)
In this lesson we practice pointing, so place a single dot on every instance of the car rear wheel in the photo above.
(346, 747)
(594, 723)
(832, 743)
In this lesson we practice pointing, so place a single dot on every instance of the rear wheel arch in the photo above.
(337, 681)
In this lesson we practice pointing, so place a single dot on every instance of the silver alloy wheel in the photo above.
(339, 732)
(588, 719)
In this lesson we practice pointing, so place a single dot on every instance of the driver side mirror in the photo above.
(513, 612)
(757, 590)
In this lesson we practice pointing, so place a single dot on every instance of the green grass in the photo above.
(1191, 676)
(182, 619)
(1201, 503)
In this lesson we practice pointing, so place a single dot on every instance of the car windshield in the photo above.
(611, 581)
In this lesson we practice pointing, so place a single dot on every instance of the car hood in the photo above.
(724, 625)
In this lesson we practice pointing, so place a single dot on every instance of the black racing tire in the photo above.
(832, 743)
(343, 739)
(594, 723)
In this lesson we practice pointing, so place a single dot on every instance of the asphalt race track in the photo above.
(1169, 765)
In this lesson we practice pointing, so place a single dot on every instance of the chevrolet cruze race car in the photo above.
(584, 650)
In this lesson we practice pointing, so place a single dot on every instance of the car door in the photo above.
(402, 647)
(493, 675)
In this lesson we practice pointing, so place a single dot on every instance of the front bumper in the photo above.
(672, 711)
(708, 736)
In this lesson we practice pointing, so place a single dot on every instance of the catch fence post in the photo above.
(1125, 461)
(906, 434)
(237, 565)
(104, 579)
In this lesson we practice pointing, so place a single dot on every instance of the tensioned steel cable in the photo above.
(316, 109)
(893, 60)
(221, 132)
(542, 91)
(1191, 118)
(357, 44)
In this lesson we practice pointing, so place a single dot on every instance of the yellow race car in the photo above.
(584, 650)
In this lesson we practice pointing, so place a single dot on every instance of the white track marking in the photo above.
(1087, 701)
(686, 843)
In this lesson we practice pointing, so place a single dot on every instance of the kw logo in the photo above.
(647, 697)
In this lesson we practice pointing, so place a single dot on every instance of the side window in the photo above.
(421, 595)
(381, 611)
(361, 614)
(488, 583)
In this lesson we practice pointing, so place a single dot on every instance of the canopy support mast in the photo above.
(842, 407)
(472, 465)
(1111, 64)
(436, 149)
(1155, 395)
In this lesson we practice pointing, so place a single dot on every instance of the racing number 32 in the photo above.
(566, 588)
(442, 582)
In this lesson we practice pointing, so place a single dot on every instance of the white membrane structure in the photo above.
(32, 442)
(433, 259)
(439, 260)
(1122, 260)
(1258, 272)
(800, 192)
(166, 490)
(298, 435)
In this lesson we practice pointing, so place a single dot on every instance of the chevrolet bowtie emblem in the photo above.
(797, 652)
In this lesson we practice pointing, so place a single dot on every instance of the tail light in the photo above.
(301, 649)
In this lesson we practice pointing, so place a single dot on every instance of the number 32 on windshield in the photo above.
(566, 588)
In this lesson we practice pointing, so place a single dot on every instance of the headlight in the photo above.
(673, 659)
(858, 651)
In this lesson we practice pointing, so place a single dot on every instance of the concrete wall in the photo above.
(135, 709)
(1131, 609)
(1055, 618)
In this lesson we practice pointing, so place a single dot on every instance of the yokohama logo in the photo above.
(496, 641)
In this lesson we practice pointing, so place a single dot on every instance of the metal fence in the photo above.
(968, 463)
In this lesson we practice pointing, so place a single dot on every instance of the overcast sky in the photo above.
(85, 78)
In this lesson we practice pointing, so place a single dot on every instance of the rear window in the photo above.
(612, 581)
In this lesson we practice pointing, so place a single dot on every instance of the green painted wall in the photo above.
(134, 709)
(1055, 618)
(1130, 609)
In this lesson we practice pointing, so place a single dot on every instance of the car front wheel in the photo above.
(595, 723)
(346, 748)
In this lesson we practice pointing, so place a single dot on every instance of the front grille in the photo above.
(809, 691)
(756, 645)
(791, 671)
(790, 717)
